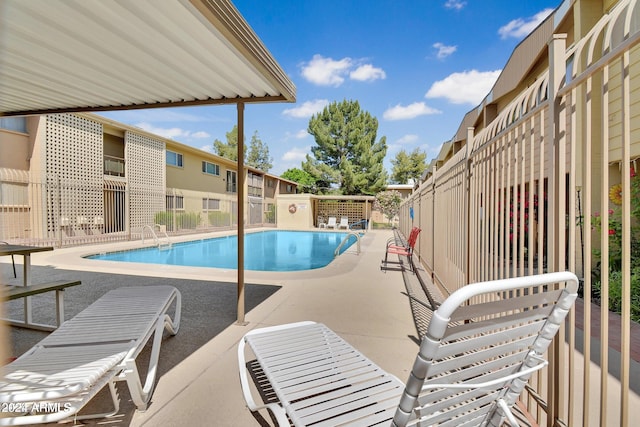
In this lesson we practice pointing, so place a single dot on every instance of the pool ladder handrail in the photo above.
(156, 240)
(345, 240)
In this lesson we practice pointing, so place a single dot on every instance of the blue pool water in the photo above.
(264, 251)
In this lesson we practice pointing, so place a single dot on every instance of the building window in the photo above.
(15, 124)
(271, 183)
(254, 184)
(174, 159)
(210, 204)
(174, 202)
(231, 182)
(210, 168)
(290, 188)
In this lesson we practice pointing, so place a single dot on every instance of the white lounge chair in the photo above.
(56, 378)
(332, 222)
(471, 367)
(344, 223)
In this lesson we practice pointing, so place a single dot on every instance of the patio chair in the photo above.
(332, 222)
(482, 345)
(56, 378)
(344, 223)
(13, 261)
(401, 250)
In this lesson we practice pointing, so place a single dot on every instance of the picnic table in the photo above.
(28, 289)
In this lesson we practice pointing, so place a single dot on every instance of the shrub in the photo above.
(615, 292)
(164, 218)
(219, 218)
(188, 220)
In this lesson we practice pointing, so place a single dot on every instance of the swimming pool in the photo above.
(273, 250)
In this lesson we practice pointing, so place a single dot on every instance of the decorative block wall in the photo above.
(146, 177)
(74, 173)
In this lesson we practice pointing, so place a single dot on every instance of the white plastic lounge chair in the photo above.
(344, 223)
(59, 375)
(332, 222)
(471, 367)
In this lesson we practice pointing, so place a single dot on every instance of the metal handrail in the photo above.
(344, 241)
(156, 239)
(163, 231)
(153, 233)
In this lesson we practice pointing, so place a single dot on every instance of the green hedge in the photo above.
(219, 218)
(188, 220)
(164, 218)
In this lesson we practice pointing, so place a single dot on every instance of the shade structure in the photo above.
(60, 56)
(92, 55)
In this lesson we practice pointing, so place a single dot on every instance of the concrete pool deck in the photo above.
(352, 296)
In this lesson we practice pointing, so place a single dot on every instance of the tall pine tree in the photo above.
(346, 153)
(258, 156)
(408, 166)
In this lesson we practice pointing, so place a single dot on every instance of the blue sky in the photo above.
(417, 66)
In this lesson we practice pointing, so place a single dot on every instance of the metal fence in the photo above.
(56, 212)
(551, 184)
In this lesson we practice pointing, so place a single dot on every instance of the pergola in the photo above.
(62, 56)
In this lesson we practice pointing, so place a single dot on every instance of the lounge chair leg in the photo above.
(115, 398)
(277, 410)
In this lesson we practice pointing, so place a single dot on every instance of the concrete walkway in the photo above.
(364, 305)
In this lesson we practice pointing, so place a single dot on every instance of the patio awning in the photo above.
(93, 55)
(62, 56)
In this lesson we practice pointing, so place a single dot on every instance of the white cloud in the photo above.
(410, 111)
(326, 71)
(306, 109)
(296, 154)
(455, 4)
(521, 27)
(367, 73)
(329, 72)
(208, 148)
(468, 87)
(301, 134)
(444, 50)
(172, 133)
(407, 139)
(200, 134)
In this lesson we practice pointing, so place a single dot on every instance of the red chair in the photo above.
(402, 250)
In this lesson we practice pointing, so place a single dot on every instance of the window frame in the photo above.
(232, 188)
(214, 165)
(179, 159)
(206, 204)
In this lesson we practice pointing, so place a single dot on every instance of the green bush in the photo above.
(219, 219)
(615, 292)
(188, 220)
(381, 226)
(615, 253)
(164, 218)
(270, 215)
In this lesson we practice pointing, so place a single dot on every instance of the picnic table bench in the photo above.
(11, 292)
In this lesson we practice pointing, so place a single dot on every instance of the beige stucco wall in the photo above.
(16, 148)
(190, 175)
(302, 219)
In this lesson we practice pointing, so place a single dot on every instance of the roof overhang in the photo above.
(91, 55)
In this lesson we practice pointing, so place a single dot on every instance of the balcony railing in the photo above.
(113, 166)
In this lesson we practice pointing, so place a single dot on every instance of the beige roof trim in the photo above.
(60, 56)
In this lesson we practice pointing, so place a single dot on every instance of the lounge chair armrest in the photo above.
(276, 410)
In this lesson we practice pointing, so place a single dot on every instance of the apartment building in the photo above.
(77, 178)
